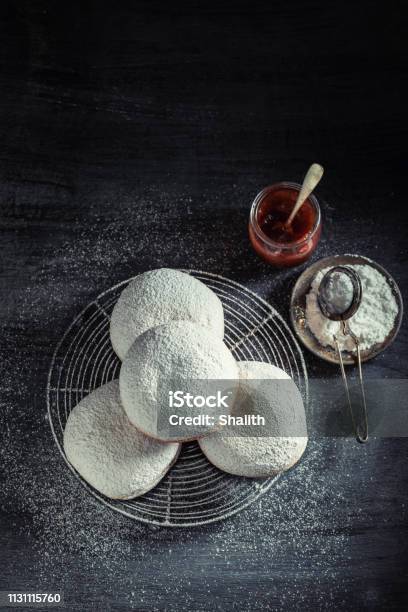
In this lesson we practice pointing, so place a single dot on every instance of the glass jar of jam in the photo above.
(281, 246)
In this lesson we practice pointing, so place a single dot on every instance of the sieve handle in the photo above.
(346, 330)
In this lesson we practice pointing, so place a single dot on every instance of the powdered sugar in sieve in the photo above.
(194, 492)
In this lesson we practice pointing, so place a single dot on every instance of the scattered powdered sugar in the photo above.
(149, 565)
(372, 322)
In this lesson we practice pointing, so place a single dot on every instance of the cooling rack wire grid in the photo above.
(194, 492)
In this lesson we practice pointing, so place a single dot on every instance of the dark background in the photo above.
(135, 135)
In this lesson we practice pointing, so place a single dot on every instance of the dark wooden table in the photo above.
(135, 135)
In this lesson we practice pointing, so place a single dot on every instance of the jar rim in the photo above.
(288, 246)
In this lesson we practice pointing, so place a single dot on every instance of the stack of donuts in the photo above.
(167, 328)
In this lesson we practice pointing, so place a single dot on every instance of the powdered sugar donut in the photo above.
(261, 451)
(109, 452)
(177, 358)
(160, 296)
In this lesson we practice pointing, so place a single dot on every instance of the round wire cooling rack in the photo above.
(194, 492)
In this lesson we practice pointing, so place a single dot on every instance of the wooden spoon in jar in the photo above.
(284, 228)
(312, 178)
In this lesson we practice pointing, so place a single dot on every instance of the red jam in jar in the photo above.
(278, 245)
